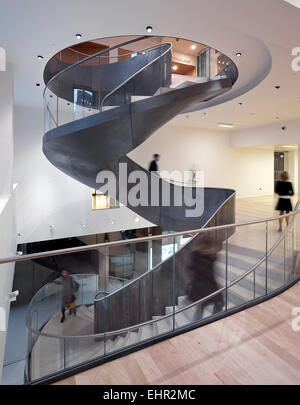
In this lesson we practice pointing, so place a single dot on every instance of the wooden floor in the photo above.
(255, 346)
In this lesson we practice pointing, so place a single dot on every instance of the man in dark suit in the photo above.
(153, 167)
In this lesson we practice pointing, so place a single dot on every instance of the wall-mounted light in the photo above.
(193, 47)
(40, 57)
(238, 54)
(13, 296)
(78, 36)
(175, 67)
(149, 28)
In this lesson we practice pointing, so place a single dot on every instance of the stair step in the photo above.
(117, 344)
(133, 338)
(146, 332)
(163, 326)
(85, 312)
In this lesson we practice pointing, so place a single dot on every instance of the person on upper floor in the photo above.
(284, 189)
(153, 167)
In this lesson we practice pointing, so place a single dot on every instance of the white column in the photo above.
(7, 205)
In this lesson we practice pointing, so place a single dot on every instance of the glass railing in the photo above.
(79, 86)
(181, 280)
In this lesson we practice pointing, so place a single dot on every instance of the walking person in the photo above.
(202, 275)
(284, 189)
(69, 288)
(153, 167)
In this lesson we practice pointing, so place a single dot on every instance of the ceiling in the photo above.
(265, 31)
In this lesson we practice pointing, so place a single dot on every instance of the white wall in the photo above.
(249, 171)
(7, 209)
(271, 134)
(46, 196)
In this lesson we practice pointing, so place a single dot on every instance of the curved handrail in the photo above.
(92, 56)
(200, 301)
(158, 264)
(33, 256)
(152, 47)
(113, 57)
(138, 71)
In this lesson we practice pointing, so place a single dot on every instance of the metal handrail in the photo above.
(93, 56)
(158, 264)
(138, 71)
(34, 256)
(102, 56)
(178, 311)
(116, 56)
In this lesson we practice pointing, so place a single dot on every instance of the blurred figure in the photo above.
(69, 288)
(153, 167)
(284, 189)
(203, 282)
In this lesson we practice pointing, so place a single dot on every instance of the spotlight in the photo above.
(78, 36)
(40, 57)
(149, 28)
(238, 54)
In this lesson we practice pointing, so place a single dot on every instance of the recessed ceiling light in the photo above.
(193, 47)
(175, 67)
(238, 54)
(37, 84)
(40, 57)
(149, 28)
(225, 125)
(78, 36)
(137, 219)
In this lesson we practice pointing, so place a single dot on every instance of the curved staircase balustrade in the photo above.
(182, 314)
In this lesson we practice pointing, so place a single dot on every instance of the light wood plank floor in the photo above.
(255, 346)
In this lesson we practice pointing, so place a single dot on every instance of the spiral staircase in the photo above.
(97, 111)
